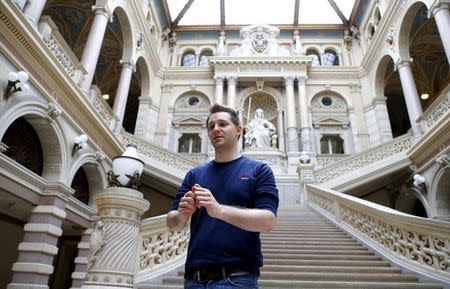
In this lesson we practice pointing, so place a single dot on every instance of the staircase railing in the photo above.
(161, 250)
(394, 149)
(419, 244)
(437, 111)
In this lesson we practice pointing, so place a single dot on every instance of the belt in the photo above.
(215, 273)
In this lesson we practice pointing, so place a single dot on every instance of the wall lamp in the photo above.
(16, 82)
(79, 143)
(419, 181)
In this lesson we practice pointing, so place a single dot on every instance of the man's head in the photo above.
(223, 127)
(221, 108)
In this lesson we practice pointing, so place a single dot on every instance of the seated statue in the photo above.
(259, 131)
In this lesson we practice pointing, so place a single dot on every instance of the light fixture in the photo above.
(105, 96)
(127, 169)
(16, 82)
(418, 180)
(424, 96)
(79, 143)
(304, 158)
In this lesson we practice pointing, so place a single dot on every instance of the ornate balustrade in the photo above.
(158, 158)
(397, 146)
(161, 249)
(59, 48)
(325, 160)
(418, 244)
(438, 110)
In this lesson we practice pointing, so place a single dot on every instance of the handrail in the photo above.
(368, 157)
(418, 244)
(161, 250)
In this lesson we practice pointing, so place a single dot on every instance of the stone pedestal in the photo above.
(306, 176)
(113, 246)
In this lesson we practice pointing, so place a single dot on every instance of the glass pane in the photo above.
(317, 12)
(259, 12)
(188, 59)
(330, 58)
(175, 7)
(202, 12)
(183, 144)
(324, 145)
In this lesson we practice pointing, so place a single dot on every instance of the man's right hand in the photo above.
(187, 206)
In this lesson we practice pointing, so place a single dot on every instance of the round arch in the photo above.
(127, 32)
(407, 201)
(43, 117)
(384, 61)
(329, 92)
(195, 92)
(406, 24)
(96, 175)
(245, 93)
(142, 66)
(439, 194)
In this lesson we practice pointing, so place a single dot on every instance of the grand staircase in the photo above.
(306, 251)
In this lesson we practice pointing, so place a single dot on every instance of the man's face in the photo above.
(222, 132)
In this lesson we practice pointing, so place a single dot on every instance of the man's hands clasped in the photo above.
(199, 197)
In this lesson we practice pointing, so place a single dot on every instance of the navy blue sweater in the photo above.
(242, 183)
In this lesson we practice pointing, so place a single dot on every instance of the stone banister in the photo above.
(439, 110)
(418, 244)
(59, 48)
(161, 250)
(393, 151)
(159, 159)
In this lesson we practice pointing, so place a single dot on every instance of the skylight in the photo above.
(246, 12)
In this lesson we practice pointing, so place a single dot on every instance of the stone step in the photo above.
(331, 268)
(314, 246)
(309, 262)
(316, 252)
(321, 257)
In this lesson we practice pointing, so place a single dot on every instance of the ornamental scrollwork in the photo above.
(163, 246)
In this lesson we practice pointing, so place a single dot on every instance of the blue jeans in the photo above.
(231, 282)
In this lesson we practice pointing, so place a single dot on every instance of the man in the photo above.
(230, 200)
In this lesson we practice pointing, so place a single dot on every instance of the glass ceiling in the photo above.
(245, 12)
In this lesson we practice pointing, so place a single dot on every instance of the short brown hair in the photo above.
(221, 108)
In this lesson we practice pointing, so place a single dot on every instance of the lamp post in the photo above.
(113, 246)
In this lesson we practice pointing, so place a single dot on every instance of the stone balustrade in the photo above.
(418, 244)
(159, 158)
(438, 111)
(397, 146)
(59, 48)
(162, 250)
(325, 160)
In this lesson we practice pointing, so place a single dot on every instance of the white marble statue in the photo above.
(259, 131)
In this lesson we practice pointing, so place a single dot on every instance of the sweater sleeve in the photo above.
(266, 191)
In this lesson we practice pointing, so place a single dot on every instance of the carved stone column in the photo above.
(410, 92)
(305, 122)
(114, 246)
(161, 125)
(359, 126)
(280, 130)
(291, 118)
(33, 10)
(231, 91)
(120, 101)
(441, 12)
(93, 45)
(218, 97)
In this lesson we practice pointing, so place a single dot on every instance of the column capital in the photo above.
(103, 10)
(402, 62)
(219, 80)
(232, 79)
(166, 87)
(355, 86)
(437, 6)
(280, 110)
(127, 63)
(289, 80)
(302, 79)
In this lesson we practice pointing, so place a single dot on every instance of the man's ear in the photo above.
(239, 130)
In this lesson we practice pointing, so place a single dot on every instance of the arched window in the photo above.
(189, 143)
(330, 58)
(331, 144)
(372, 31)
(204, 58)
(188, 59)
(316, 56)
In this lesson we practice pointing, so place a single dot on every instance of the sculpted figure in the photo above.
(259, 131)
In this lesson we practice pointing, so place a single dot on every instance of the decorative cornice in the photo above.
(269, 61)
